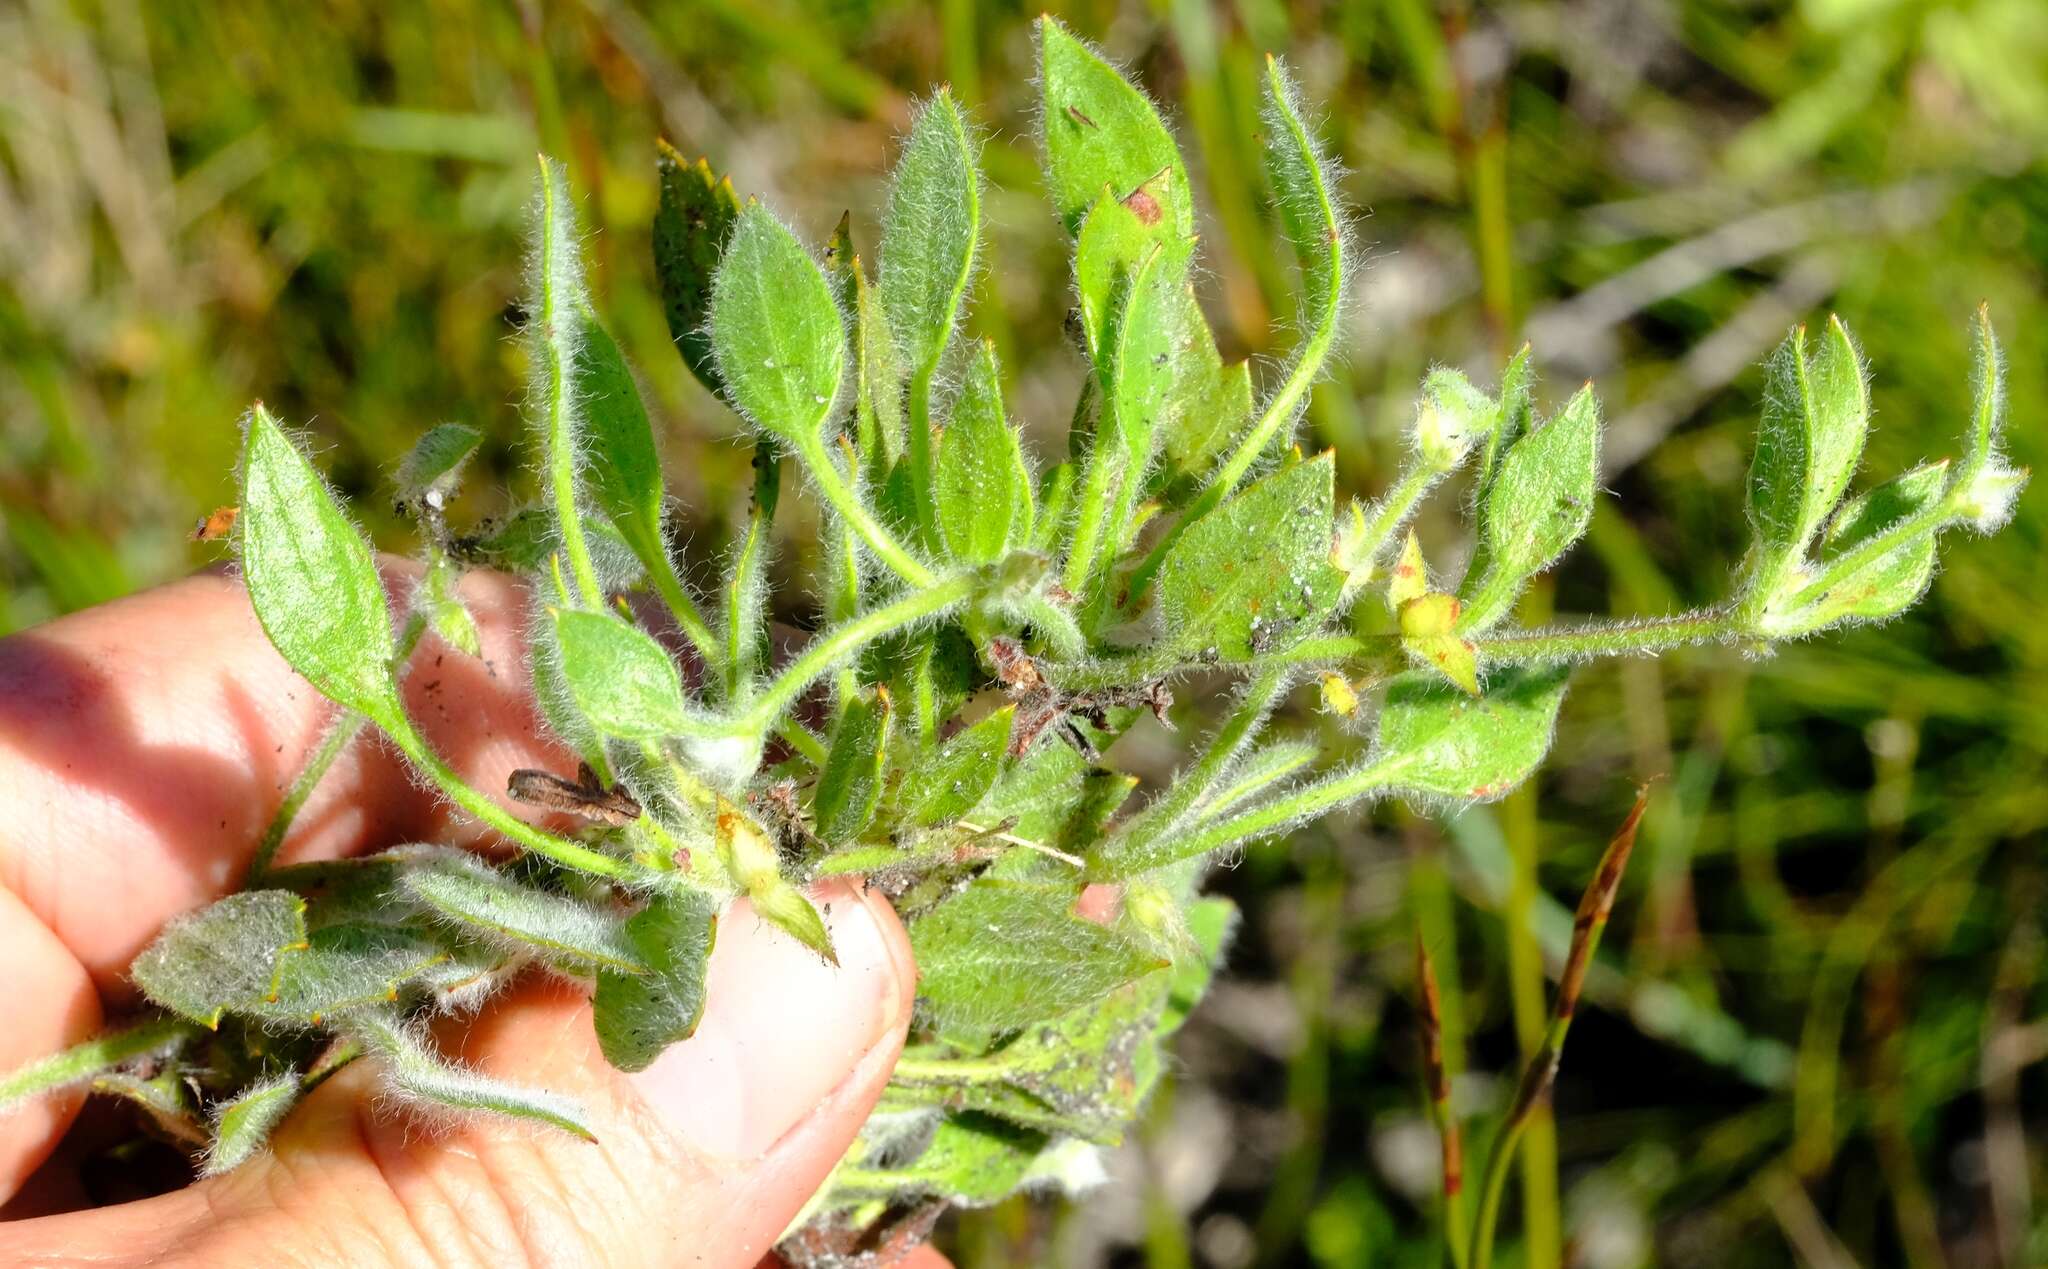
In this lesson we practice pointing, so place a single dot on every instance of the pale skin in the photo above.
(143, 746)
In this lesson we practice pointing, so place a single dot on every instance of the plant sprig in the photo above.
(987, 634)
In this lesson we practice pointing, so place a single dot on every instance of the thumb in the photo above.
(702, 1159)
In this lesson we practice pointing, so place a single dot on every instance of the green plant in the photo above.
(988, 633)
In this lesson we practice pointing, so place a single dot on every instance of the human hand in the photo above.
(145, 744)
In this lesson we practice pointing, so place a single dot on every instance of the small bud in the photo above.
(1450, 418)
(1410, 580)
(1339, 697)
(1429, 633)
(1987, 503)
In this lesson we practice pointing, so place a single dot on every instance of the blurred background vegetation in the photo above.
(1819, 1031)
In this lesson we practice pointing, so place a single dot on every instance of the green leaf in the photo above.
(226, 956)
(981, 486)
(624, 682)
(1304, 198)
(89, 1059)
(1538, 505)
(1255, 574)
(949, 784)
(415, 1071)
(1510, 420)
(639, 1015)
(1434, 739)
(929, 234)
(242, 1126)
(1100, 131)
(1983, 486)
(1002, 955)
(429, 472)
(344, 967)
(1084, 1073)
(850, 784)
(565, 932)
(621, 468)
(311, 578)
(1209, 403)
(691, 224)
(1889, 584)
(1816, 412)
(1141, 365)
(1115, 241)
(776, 331)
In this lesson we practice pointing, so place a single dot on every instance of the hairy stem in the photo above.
(560, 849)
(345, 728)
(832, 484)
(553, 319)
(1354, 783)
(832, 646)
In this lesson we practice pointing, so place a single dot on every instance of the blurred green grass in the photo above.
(1820, 1034)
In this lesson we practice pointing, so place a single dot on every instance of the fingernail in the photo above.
(782, 1029)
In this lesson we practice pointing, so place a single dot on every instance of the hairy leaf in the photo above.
(1255, 574)
(850, 783)
(981, 487)
(951, 782)
(311, 578)
(1434, 739)
(415, 1071)
(1539, 503)
(1815, 415)
(691, 223)
(242, 1125)
(639, 1015)
(344, 967)
(1002, 955)
(621, 466)
(1302, 178)
(226, 956)
(1890, 583)
(929, 234)
(624, 682)
(566, 932)
(429, 471)
(1101, 132)
(776, 330)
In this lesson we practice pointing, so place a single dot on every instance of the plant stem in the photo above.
(743, 590)
(1092, 508)
(555, 349)
(831, 646)
(560, 849)
(1190, 787)
(85, 1060)
(1360, 780)
(836, 491)
(1540, 1073)
(668, 583)
(1595, 639)
(1393, 510)
(345, 728)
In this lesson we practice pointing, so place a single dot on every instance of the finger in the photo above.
(701, 1160)
(52, 1006)
(145, 744)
